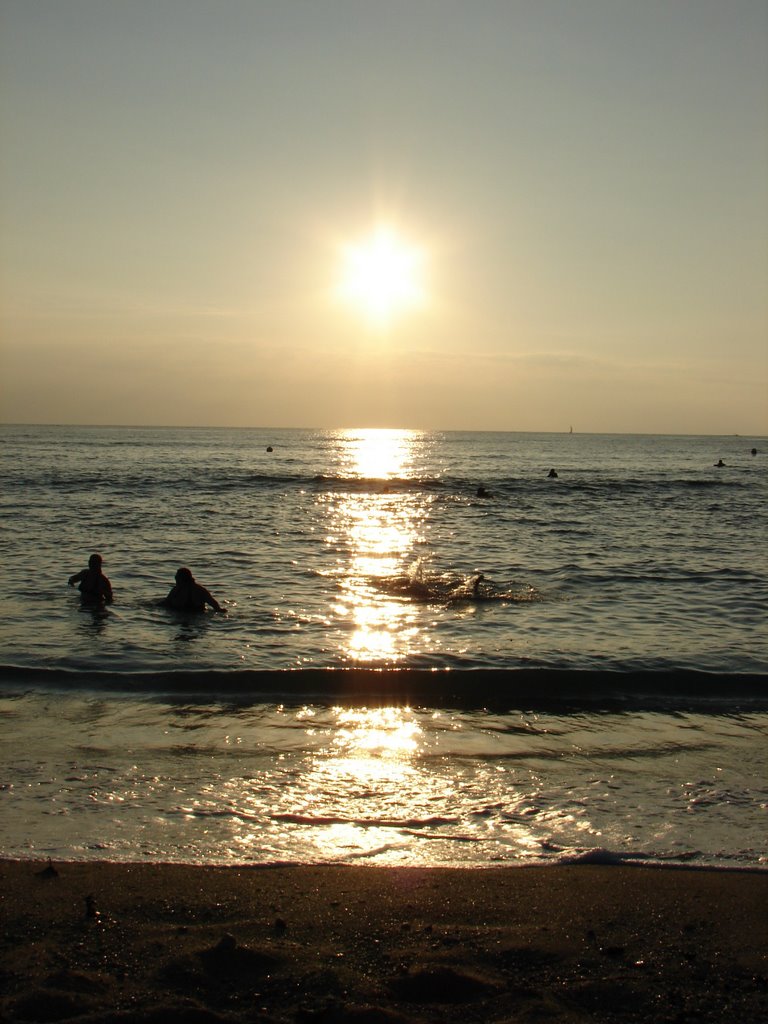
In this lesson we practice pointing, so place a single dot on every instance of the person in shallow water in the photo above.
(94, 587)
(188, 595)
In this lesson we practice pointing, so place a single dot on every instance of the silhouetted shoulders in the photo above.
(94, 586)
(190, 596)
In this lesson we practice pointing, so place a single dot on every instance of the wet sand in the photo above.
(160, 944)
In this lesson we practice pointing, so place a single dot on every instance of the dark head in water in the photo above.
(188, 595)
(552, 474)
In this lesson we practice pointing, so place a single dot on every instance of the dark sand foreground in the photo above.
(154, 943)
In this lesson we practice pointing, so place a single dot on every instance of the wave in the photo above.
(211, 480)
(685, 859)
(498, 689)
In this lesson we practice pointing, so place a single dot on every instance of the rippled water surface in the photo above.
(364, 548)
(131, 779)
(385, 550)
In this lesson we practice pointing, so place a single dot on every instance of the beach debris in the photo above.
(91, 910)
(48, 872)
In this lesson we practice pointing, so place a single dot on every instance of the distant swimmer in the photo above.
(552, 474)
(189, 596)
(719, 463)
(483, 493)
(754, 451)
(94, 586)
(475, 582)
(270, 448)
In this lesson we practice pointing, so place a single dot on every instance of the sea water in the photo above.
(133, 732)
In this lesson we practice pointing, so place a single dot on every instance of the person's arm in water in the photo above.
(77, 577)
(106, 587)
(209, 599)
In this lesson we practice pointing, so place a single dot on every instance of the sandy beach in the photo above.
(97, 942)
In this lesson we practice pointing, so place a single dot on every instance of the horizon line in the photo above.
(423, 430)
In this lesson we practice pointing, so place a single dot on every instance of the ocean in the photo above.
(432, 651)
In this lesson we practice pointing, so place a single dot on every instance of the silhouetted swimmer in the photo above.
(754, 451)
(483, 493)
(94, 586)
(270, 448)
(189, 596)
(552, 474)
(719, 463)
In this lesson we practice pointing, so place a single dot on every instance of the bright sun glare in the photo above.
(382, 276)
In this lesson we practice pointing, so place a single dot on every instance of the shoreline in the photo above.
(497, 688)
(115, 942)
(596, 858)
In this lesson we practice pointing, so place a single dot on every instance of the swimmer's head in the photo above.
(183, 575)
(94, 562)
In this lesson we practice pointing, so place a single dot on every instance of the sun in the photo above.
(382, 276)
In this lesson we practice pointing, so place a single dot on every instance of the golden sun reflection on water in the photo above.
(387, 732)
(374, 788)
(369, 745)
(362, 778)
(381, 526)
(378, 453)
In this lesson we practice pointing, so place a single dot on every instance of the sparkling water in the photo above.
(396, 551)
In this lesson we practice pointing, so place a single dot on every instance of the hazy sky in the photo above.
(586, 180)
